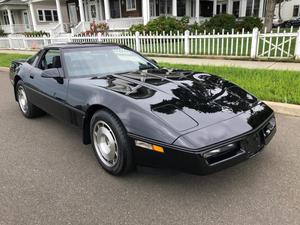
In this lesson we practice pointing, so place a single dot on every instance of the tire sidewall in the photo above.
(21, 84)
(124, 149)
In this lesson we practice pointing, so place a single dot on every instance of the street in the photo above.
(47, 176)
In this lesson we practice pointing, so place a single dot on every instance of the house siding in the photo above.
(50, 5)
(132, 13)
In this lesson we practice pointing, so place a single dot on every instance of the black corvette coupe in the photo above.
(134, 112)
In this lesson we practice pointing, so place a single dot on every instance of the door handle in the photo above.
(31, 76)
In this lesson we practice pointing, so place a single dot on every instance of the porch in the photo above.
(14, 18)
(121, 14)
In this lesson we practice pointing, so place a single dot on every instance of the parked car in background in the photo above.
(134, 112)
(288, 23)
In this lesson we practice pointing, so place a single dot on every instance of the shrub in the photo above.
(95, 29)
(2, 33)
(162, 24)
(248, 23)
(37, 33)
(167, 25)
(220, 22)
(139, 27)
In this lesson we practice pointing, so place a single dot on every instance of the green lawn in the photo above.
(5, 59)
(271, 85)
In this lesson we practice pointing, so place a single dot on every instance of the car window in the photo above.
(50, 60)
(91, 61)
(33, 59)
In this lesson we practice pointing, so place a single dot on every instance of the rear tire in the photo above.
(110, 143)
(27, 108)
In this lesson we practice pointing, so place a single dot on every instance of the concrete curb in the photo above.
(282, 108)
(4, 69)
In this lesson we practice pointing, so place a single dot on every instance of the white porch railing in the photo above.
(17, 28)
(123, 23)
(254, 45)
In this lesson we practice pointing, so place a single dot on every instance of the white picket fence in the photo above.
(274, 45)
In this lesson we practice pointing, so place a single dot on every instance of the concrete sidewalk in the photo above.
(232, 63)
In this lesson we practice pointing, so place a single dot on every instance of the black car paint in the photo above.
(186, 112)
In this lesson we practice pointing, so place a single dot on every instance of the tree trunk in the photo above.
(270, 8)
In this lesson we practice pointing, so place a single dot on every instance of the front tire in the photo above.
(27, 108)
(110, 143)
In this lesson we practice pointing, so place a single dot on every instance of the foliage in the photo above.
(217, 23)
(36, 33)
(162, 24)
(248, 23)
(220, 22)
(97, 28)
(137, 28)
(272, 85)
(2, 33)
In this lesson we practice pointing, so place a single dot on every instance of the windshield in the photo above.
(95, 61)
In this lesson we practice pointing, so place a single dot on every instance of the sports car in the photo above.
(133, 112)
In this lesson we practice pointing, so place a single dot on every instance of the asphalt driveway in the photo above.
(48, 177)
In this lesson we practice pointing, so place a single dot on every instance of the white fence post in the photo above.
(297, 48)
(10, 43)
(186, 42)
(254, 43)
(25, 43)
(137, 41)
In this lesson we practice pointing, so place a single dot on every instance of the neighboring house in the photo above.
(289, 9)
(58, 16)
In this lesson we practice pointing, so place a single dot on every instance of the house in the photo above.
(58, 16)
(289, 9)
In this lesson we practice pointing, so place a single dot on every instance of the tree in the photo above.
(270, 8)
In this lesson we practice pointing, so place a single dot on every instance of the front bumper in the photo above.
(212, 158)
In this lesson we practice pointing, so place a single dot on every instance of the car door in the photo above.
(49, 94)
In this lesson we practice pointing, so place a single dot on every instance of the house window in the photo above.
(6, 19)
(221, 8)
(47, 15)
(130, 5)
(296, 10)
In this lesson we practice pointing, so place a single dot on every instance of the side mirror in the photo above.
(52, 73)
(153, 61)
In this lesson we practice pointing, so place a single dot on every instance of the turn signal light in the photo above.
(149, 146)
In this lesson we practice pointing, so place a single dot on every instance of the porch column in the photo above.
(197, 12)
(106, 9)
(10, 20)
(174, 8)
(81, 11)
(243, 8)
(215, 8)
(146, 11)
(188, 8)
(261, 9)
(33, 19)
(229, 7)
(59, 14)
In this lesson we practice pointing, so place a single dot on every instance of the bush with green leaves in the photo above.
(248, 23)
(220, 22)
(217, 23)
(137, 28)
(2, 33)
(162, 24)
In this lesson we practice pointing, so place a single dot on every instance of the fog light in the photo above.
(220, 150)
